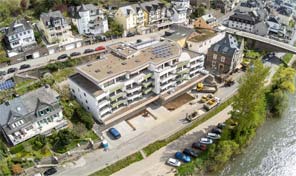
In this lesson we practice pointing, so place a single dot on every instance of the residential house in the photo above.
(89, 19)
(248, 6)
(224, 5)
(244, 21)
(133, 75)
(54, 27)
(224, 56)
(34, 113)
(285, 15)
(180, 11)
(131, 17)
(155, 15)
(275, 28)
(207, 21)
(19, 37)
(202, 40)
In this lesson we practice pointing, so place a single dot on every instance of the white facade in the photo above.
(131, 86)
(90, 20)
(20, 34)
(203, 46)
(241, 26)
(180, 11)
(285, 20)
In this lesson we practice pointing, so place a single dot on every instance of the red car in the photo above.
(100, 48)
(199, 146)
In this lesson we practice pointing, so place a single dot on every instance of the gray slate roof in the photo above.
(19, 25)
(227, 46)
(26, 104)
(73, 11)
(47, 18)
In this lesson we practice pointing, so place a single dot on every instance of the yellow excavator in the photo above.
(200, 87)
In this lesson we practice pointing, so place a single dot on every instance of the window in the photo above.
(87, 108)
(222, 59)
(86, 101)
(214, 56)
(84, 94)
(214, 65)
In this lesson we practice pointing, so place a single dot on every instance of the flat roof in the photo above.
(113, 65)
(86, 84)
(202, 35)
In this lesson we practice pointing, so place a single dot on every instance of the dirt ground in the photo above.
(178, 102)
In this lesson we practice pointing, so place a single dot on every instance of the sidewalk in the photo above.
(154, 165)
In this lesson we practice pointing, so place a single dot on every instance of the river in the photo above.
(272, 152)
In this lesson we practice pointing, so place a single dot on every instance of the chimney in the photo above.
(7, 103)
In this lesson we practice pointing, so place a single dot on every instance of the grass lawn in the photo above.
(119, 165)
(287, 57)
(151, 148)
(63, 74)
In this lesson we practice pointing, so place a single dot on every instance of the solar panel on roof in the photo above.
(7, 85)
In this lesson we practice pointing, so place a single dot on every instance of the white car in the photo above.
(173, 162)
(206, 141)
(213, 136)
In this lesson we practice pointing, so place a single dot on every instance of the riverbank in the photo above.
(248, 115)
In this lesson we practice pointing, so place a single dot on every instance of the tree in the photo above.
(39, 142)
(249, 105)
(200, 11)
(24, 4)
(282, 84)
(17, 169)
(115, 29)
(84, 117)
(61, 140)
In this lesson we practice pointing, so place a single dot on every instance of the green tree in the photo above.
(282, 84)
(200, 11)
(249, 106)
(84, 117)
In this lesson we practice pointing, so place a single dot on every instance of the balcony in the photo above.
(183, 72)
(167, 78)
(147, 84)
(104, 103)
(197, 64)
(118, 103)
(147, 76)
(133, 89)
(117, 96)
(166, 70)
(116, 87)
(167, 85)
(148, 90)
(105, 110)
(134, 96)
(181, 64)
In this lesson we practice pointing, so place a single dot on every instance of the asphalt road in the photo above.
(45, 59)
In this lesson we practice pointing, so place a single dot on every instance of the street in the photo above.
(45, 59)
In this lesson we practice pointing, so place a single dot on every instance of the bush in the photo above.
(17, 169)
(39, 142)
(61, 140)
(16, 149)
(84, 117)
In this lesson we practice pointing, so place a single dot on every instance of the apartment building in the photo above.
(89, 19)
(132, 72)
(180, 10)
(54, 27)
(19, 34)
(244, 21)
(131, 17)
(155, 14)
(37, 112)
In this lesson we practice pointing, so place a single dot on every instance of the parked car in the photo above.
(100, 48)
(24, 66)
(11, 70)
(221, 125)
(63, 56)
(182, 157)
(206, 141)
(130, 34)
(115, 133)
(75, 54)
(88, 51)
(213, 136)
(2, 73)
(50, 171)
(216, 130)
(173, 162)
(199, 146)
(190, 152)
